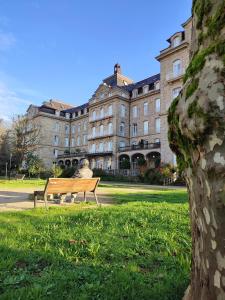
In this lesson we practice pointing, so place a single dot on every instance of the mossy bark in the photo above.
(197, 135)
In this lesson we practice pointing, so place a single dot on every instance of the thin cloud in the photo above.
(7, 40)
(11, 103)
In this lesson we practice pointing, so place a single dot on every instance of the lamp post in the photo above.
(6, 170)
(10, 165)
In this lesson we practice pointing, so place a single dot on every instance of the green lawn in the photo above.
(22, 183)
(138, 249)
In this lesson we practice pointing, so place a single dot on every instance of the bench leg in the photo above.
(96, 198)
(35, 201)
(85, 198)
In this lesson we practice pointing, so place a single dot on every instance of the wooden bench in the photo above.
(19, 176)
(68, 185)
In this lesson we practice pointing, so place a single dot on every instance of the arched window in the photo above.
(110, 146)
(110, 110)
(177, 68)
(110, 131)
(93, 131)
(157, 105)
(102, 112)
(100, 148)
(78, 141)
(101, 131)
(122, 110)
(122, 129)
(93, 148)
(175, 92)
(93, 115)
(176, 41)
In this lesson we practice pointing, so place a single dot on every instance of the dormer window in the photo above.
(145, 89)
(176, 41)
(125, 83)
(134, 93)
(157, 85)
(101, 96)
(74, 115)
(57, 113)
(67, 115)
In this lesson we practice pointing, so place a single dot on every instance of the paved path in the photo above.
(19, 198)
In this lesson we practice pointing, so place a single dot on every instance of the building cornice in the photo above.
(170, 50)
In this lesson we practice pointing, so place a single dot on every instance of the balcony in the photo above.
(100, 118)
(99, 136)
(70, 155)
(139, 147)
(170, 77)
(98, 153)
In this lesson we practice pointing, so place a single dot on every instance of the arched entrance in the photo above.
(60, 162)
(68, 163)
(75, 162)
(124, 162)
(135, 158)
(153, 159)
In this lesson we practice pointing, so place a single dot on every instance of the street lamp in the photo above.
(10, 165)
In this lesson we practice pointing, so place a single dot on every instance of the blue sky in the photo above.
(63, 49)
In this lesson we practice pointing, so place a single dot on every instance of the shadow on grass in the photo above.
(41, 275)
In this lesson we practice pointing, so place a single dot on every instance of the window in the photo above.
(110, 146)
(135, 111)
(174, 160)
(66, 142)
(100, 148)
(101, 96)
(145, 89)
(93, 131)
(110, 131)
(145, 127)
(157, 85)
(94, 115)
(101, 131)
(73, 129)
(175, 92)
(93, 148)
(145, 108)
(157, 105)
(78, 141)
(177, 68)
(57, 112)
(110, 110)
(122, 144)
(176, 41)
(134, 129)
(55, 152)
(78, 128)
(122, 110)
(56, 140)
(134, 93)
(67, 115)
(85, 125)
(122, 129)
(57, 127)
(84, 139)
(157, 141)
(72, 142)
(67, 129)
(102, 112)
(157, 125)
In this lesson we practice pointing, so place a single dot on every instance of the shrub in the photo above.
(56, 171)
(68, 172)
(45, 174)
(154, 176)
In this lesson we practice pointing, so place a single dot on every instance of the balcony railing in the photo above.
(99, 118)
(99, 153)
(99, 136)
(139, 147)
(173, 76)
(69, 155)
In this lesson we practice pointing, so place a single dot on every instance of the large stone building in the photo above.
(123, 120)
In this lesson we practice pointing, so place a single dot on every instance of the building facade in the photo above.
(122, 122)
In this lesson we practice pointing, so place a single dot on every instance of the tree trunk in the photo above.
(197, 136)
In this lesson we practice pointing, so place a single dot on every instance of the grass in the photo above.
(26, 183)
(138, 249)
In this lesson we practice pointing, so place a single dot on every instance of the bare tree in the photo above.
(24, 137)
(197, 136)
